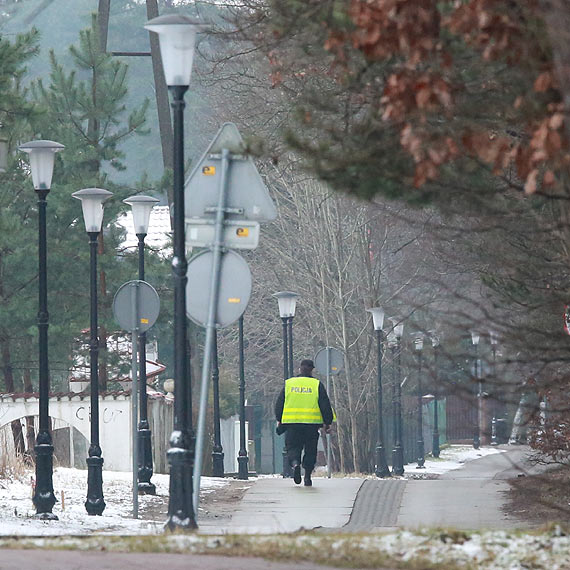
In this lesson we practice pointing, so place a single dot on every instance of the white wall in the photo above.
(114, 422)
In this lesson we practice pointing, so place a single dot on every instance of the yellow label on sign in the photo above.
(144, 321)
(333, 368)
(242, 232)
(234, 300)
(208, 170)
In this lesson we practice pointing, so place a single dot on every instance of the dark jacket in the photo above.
(324, 405)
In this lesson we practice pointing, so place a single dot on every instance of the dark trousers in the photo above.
(299, 437)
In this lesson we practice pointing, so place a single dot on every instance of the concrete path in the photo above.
(274, 505)
(473, 497)
(377, 505)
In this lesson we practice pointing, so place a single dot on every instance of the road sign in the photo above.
(247, 195)
(335, 359)
(238, 234)
(136, 306)
(234, 291)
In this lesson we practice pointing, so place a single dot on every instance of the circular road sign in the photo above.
(336, 360)
(234, 291)
(136, 305)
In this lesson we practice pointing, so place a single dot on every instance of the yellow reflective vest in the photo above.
(302, 401)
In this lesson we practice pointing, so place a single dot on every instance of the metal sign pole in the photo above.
(210, 325)
(136, 306)
(328, 434)
(134, 394)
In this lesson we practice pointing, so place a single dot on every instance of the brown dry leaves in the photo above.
(393, 27)
(410, 30)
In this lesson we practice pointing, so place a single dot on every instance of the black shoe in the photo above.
(308, 480)
(297, 474)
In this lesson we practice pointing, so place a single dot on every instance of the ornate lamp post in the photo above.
(477, 432)
(217, 450)
(287, 301)
(398, 451)
(177, 38)
(92, 205)
(381, 466)
(418, 345)
(494, 338)
(242, 454)
(141, 208)
(435, 436)
(42, 157)
(290, 303)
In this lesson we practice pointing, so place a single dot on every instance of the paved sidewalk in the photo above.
(377, 505)
(473, 497)
(274, 505)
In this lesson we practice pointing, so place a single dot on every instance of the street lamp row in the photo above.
(42, 155)
(394, 343)
(177, 35)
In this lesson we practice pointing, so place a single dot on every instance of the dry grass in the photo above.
(541, 499)
(341, 551)
(14, 467)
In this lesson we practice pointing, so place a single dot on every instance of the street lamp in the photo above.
(435, 436)
(242, 454)
(494, 338)
(287, 301)
(177, 38)
(92, 205)
(42, 157)
(217, 449)
(398, 451)
(419, 344)
(381, 467)
(477, 433)
(141, 207)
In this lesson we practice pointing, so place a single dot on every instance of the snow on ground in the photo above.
(70, 489)
(489, 550)
(450, 458)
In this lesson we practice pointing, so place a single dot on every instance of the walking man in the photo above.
(302, 407)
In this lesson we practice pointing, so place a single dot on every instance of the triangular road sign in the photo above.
(246, 194)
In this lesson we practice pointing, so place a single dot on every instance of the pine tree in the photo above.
(17, 237)
(85, 109)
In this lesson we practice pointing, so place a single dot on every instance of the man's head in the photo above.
(306, 367)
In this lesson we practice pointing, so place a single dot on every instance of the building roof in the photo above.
(159, 230)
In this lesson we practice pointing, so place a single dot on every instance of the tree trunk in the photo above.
(8, 373)
(339, 430)
(161, 94)
(30, 428)
(103, 21)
